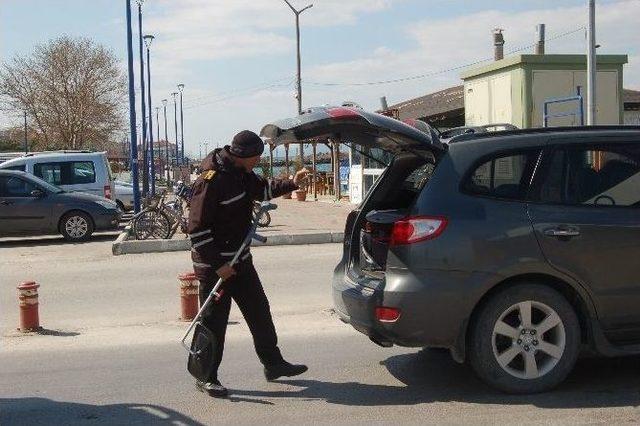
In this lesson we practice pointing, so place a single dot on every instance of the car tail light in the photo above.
(107, 191)
(386, 314)
(342, 112)
(418, 228)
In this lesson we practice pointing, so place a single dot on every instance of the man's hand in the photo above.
(300, 176)
(226, 271)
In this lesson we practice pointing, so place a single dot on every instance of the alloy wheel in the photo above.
(76, 227)
(528, 339)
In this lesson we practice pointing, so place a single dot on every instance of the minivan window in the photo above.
(13, 186)
(504, 176)
(66, 172)
(600, 176)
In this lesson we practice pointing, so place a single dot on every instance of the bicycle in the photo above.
(160, 219)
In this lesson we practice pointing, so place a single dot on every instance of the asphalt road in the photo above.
(111, 355)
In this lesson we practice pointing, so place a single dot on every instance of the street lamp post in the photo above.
(143, 108)
(298, 79)
(175, 124)
(166, 138)
(160, 159)
(148, 39)
(132, 113)
(181, 89)
(26, 144)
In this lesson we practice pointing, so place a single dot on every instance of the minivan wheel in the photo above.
(76, 226)
(525, 339)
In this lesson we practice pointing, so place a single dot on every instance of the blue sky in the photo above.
(237, 58)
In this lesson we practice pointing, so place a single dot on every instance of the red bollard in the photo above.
(28, 297)
(188, 296)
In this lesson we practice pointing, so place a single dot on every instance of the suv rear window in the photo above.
(66, 172)
(504, 176)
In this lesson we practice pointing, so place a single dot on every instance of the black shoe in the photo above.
(275, 371)
(213, 388)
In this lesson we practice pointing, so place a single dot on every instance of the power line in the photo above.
(233, 91)
(443, 71)
(238, 93)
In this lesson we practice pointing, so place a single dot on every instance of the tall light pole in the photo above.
(298, 79)
(143, 108)
(166, 138)
(181, 89)
(132, 113)
(26, 144)
(160, 159)
(175, 124)
(591, 64)
(148, 39)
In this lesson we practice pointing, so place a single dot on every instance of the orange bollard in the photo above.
(28, 297)
(188, 296)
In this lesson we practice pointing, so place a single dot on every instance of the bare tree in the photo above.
(73, 91)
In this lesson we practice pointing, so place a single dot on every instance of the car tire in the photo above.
(76, 226)
(529, 355)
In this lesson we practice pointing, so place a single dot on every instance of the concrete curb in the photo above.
(124, 246)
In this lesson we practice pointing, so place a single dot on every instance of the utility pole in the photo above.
(143, 108)
(148, 39)
(158, 136)
(591, 64)
(175, 123)
(166, 139)
(26, 144)
(132, 113)
(180, 89)
(298, 78)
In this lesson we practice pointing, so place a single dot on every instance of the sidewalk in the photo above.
(293, 222)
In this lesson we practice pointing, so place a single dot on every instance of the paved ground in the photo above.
(111, 355)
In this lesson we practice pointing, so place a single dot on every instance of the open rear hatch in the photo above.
(415, 146)
(354, 126)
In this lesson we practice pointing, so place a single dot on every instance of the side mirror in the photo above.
(38, 193)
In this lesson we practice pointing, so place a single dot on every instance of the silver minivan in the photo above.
(81, 171)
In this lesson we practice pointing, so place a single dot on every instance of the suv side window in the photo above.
(20, 168)
(66, 172)
(12, 186)
(504, 176)
(604, 175)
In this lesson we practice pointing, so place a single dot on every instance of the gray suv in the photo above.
(515, 250)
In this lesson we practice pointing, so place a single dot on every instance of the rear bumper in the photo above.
(435, 307)
(107, 221)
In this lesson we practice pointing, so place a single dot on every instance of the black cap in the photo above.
(246, 144)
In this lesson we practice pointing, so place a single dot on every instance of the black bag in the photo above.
(203, 352)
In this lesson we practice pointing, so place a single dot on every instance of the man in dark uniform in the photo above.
(219, 219)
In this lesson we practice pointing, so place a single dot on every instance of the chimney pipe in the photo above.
(383, 103)
(498, 44)
(540, 39)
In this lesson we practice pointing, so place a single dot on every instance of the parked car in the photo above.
(32, 206)
(82, 171)
(124, 195)
(514, 250)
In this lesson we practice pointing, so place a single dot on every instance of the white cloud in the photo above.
(444, 44)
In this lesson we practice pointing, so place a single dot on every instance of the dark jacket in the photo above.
(221, 211)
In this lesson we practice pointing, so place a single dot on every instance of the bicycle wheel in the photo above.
(265, 220)
(151, 225)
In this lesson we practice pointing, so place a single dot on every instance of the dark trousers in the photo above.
(246, 290)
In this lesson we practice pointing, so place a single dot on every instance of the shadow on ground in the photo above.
(43, 411)
(431, 376)
(52, 240)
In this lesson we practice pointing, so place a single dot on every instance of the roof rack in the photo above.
(61, 151)
(538, 130)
